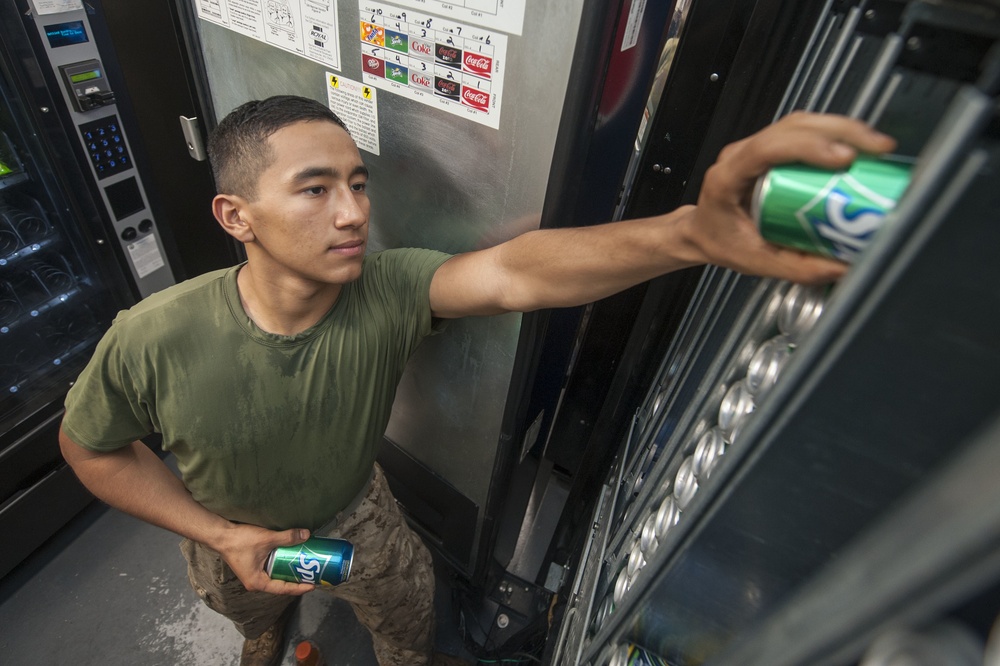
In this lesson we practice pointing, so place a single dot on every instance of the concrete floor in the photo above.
(109, 589)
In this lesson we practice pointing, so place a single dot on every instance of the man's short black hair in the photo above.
(238, 148)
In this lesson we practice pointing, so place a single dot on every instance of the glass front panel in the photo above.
(54, 297)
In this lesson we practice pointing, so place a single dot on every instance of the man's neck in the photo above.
(285, 305)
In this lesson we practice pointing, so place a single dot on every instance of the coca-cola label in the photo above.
(447, 88)
(478, 64)
(421, 80)
(373, 34)
(396, 41)
(421, 48)
(477, 99)
(448, 55)
(372, 65)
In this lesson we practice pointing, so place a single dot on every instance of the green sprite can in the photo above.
(317, 561)
(834, 213)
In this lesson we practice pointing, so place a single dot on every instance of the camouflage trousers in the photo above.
(391, 587)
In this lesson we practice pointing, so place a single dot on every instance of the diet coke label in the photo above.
(477, 99)
(421, 80)
(421, 49)
(478, 64)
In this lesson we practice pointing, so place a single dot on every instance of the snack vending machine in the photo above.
(808, 476)
(82, 236)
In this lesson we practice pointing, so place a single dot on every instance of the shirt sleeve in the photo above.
(104, 408)
(407, 273)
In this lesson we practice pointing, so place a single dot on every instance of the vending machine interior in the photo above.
(80, 239)
(806, 478)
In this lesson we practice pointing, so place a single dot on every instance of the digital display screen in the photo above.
(64, 34)
(85, 76)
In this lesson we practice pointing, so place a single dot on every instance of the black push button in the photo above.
(129, 233)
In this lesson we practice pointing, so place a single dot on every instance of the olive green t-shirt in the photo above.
(277, 431)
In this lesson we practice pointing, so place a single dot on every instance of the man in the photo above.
(272, 381)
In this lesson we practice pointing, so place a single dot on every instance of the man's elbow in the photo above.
(71, 452)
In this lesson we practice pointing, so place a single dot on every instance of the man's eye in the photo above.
(315, 191)
(359, 187)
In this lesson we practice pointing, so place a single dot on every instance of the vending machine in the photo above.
(84, 233)
(807, 473)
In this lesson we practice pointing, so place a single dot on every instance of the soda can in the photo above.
(647, 541)
(600, 617)
(766, 364)
(711, 445)
(685, 483)
(637, 656)
(666, 516)
(736, 405)
(800, 309)
(619, 656)
(622, 585)
(636, 561)
(946, 642)
(318, 561)
(834, 213)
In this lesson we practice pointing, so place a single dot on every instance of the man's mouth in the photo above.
(349, 247)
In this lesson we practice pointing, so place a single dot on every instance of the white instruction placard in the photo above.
(501, 15)
(447, 65)
(56, 6)
(304, 27)
(145, 255)
(357, 105)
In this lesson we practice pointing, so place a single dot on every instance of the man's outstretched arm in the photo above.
(573, 266)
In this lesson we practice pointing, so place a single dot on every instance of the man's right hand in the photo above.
(245, 548)
(133, 479)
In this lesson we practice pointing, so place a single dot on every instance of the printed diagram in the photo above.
(448, 65)
(210, 8)
(279, 16)
(307, 28)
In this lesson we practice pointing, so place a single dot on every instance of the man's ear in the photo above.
(228, 210)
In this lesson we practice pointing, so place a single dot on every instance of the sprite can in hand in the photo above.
(317, 561)
(834, 213)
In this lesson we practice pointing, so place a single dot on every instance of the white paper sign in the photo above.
(145, 255)
(357, 105)
(304, 27)
(56, 6)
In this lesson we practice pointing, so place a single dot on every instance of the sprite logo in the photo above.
(843, 215)
(309, 566)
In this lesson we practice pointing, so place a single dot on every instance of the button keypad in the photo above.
(106, 146)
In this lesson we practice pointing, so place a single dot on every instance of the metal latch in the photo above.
(192, 135)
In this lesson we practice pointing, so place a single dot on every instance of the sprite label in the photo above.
(835, 213)
(317, 561)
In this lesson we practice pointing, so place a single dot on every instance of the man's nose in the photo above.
(351, 213)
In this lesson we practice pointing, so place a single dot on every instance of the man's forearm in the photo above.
(553, 268)
(136, 481)
(566, 267)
